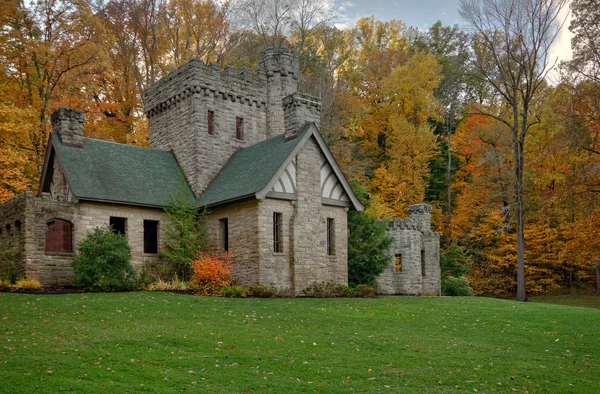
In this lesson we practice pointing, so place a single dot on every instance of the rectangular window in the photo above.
(211, 122)
(224, 224)
(239, 128)
(330, 237)
(277, 241)
(423, 263)
(150, 236)
(117, 225)
(398, 263)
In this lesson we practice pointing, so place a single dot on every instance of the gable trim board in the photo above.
(267, 190)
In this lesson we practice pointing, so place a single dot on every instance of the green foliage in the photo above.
(453, 286)
(454, 261)
(332, 290)
(103, 262)
(367, 246)
(233, 291)
(364, 291)
(8, 257)
(261, 291)
(184, 233)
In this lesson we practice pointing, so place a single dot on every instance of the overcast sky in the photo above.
(424, 13)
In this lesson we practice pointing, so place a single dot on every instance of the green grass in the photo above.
(161, 342)
(586, 300)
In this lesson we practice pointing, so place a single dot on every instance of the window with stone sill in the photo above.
(150, 236)
(117, 225)
(211, 122)
(224, 230)
(330, 237)
(277, 236)
(239, 128)
(59, 236)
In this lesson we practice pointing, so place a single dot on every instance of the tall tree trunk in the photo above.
(519, 141)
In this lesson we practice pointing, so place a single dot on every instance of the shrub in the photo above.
(103, 262)
(5, 283)
(233, 291)
(184, 233)
(367, 243)
(327, 290)
(211, 272)
(162, 285)
(261, 291)
(28, 284)
(453, 286)
(364, 291)
(8, 257)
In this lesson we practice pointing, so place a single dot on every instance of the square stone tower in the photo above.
(205, 114)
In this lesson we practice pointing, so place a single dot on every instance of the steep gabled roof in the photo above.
(112, 172)
(251, 172)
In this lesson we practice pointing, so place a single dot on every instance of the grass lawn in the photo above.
(587, 300)
(162, 342)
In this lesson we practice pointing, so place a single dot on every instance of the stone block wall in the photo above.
(243, 226)
(275, 268)
(55, 268)
(419, 248)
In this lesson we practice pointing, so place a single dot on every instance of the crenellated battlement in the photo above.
(194, 77)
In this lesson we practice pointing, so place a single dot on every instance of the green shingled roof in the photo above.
(109, 171)
(250, 170)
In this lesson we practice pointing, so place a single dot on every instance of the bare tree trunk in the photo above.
(518, 140)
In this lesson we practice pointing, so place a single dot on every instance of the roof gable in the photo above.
(260, 169)
(112, 172)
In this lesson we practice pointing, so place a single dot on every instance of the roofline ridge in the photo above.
(123, 144)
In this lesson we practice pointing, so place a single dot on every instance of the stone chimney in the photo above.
(299, 109)
(68, 124)
(282, 70)
(421, 213)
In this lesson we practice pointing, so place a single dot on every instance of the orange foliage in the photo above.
(212, 272)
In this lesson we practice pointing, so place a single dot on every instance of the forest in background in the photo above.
(405, 112)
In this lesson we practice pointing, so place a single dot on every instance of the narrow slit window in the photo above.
(117, 225)
(330, 237)
(277, 241)
(224, 224)
(239, 128)
(150, 236)
(398, 263)
(211, 122)
(423, 263)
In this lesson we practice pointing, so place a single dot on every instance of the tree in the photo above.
(585, 43)
(367, 244)
(517, 34)
(185, 232)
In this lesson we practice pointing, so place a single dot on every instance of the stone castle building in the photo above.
(246, 145)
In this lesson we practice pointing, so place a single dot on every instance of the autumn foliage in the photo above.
(212, 272)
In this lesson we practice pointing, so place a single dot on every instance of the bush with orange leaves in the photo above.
(212, 272)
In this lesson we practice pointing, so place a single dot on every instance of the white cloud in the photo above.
(561, 48)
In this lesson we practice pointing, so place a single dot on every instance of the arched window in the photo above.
(59, 236)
